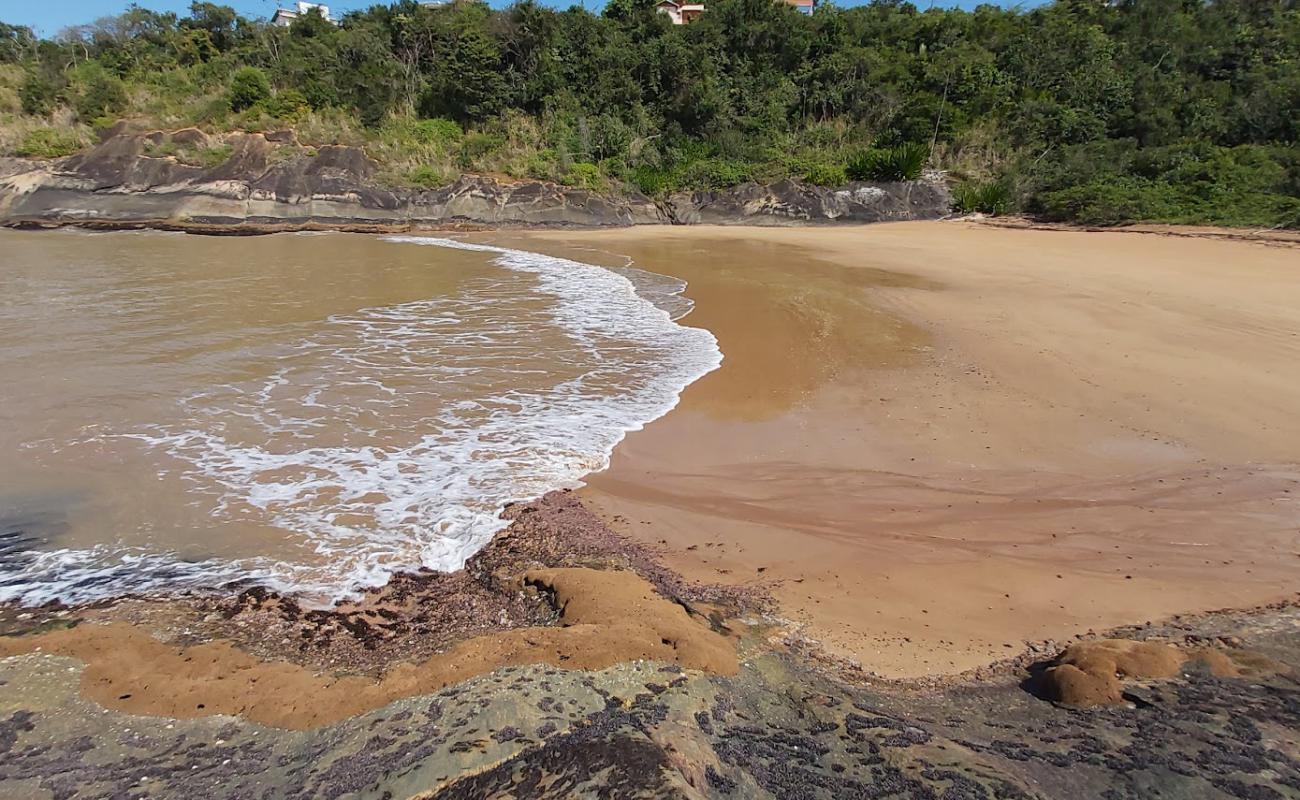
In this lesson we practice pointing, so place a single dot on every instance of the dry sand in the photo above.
(935, 441)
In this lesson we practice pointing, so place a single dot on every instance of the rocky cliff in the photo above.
(267, 182)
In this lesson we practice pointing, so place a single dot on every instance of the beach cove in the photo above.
(932, 456)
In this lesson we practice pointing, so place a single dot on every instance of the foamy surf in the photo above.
(360, 448)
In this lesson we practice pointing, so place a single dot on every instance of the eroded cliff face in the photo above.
(268, 181)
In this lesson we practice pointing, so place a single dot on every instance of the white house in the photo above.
(284, 17)
(680, 11)
(684, 11)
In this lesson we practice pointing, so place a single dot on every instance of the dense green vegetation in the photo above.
(1098, 112)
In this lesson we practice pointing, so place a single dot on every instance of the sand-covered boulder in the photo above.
(1092, 673)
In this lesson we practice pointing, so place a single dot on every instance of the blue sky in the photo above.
(50, 16)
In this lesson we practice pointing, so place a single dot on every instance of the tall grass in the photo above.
(991, 198)
(902, 163)
(38, 137)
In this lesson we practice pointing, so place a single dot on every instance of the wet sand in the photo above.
(557, 587)
(934, 442)
(606, 617)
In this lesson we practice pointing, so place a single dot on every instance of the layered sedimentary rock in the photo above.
(267, 180)
(792, 202)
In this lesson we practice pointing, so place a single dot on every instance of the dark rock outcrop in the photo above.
(270, 182)
(791, 202)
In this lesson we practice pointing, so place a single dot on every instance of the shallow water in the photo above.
(312, 412)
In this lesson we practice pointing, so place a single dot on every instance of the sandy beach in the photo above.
(934, 442)
(942, 523)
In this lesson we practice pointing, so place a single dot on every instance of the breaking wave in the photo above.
(390, 438)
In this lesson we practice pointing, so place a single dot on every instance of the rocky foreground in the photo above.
(726, 704)
(270, 182)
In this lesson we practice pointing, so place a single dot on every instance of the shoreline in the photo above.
(648, 625)
(1279, 238)
(781, 720)
(679, 557)
(909, 460)
(554, 587)
(558, 552)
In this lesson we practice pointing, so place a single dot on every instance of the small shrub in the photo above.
(290, 105)
(103, 95)
(215, 110)
(902, 163)
(426, 177)
(991, 198)
(439, 134)
(1113, 202)
(653, 180)
(584, 176)
(715, 173)
(826, 175)
(476, 146)
(48, 143)
(248, 87)
(39, 94)
(436, 131)
(542, 165)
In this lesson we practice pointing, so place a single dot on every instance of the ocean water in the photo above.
(313, 413)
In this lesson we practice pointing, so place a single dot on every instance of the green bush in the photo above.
(48, 143)
(715, 173)
(826, 175)
(426, 177)
(102, 96)
(428, 132)
(248, 87)
(437, 131)
(39, 93)
(1111, 202)
(289, 104)
(991, 198)
(584, 176)
(653, 180)
(542, 165)
(477, 145)
(902, 163)
(1183, 183)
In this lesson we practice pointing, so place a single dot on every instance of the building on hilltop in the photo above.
(284, 17)
(683, 11)
(680, 11)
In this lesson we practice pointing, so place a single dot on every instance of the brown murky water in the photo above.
(314, 411)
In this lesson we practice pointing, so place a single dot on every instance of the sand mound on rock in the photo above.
(606, 617)
(1091, 673)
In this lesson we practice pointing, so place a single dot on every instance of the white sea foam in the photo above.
(354, 448)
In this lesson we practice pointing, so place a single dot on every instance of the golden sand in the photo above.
(937, 440)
